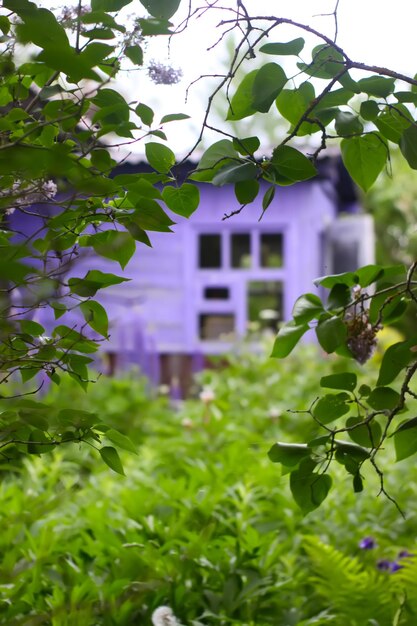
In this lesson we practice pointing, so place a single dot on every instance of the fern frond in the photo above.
(357, 595)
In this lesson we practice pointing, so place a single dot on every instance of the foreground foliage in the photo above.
(202, 521)
(59, 197)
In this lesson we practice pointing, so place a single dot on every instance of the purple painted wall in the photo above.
(196, 292)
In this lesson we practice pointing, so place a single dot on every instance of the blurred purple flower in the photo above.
(405, 554)
(384, 565)
(367, 543)
(388, 566)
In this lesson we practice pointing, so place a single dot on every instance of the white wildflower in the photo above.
(207, 395)
(164, 616)
(10, 210)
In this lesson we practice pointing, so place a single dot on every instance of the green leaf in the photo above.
(174, 117)
(406, 96)
(331, 333)
(246, 191)
(408, 146)
(134, 54)
(395, 359)
(310, 490)
(292, 104)
(246, 146)
(326, 63)
(182, 200)
(102, 160)
(347, 124)
(364, 391)
(108, 5)
(39, 442)
(31, 328)
(405, 439)
(367, 435)
(369, 110)
(364, 158)
(378, 86)
(391, 312)
(347, 278)
(215, 157)
(383, 398)
(112, 244)
(347, 452)
(345, 380)
(357, 483)
(268, 84)
(268, 197)
(288, 336)
(111, 457)
(121, 441)
(154, 26)
(291, 164)
(339, 296)
(92, 282)
(289, 454)
(290, 47)
(241, 105)
(163, 9)
(393, 121)
(368, 274)
(145, 113)
(234, 173)
(331, 406)
(160, 157)
(95, 315)
(307, 307)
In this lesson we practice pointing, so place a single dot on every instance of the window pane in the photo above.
(209, 251)
(214, 326)
(271, 249)
(265, 302)
(240, 250)
(216, 293)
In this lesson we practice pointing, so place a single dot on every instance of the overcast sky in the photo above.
(380, 32)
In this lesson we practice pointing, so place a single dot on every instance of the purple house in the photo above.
(197, 292)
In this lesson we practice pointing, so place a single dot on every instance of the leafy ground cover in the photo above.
(202, 522)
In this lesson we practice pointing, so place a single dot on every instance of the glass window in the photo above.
(216, 293)
(216, 327)
(240, 251)
(209, 252)
(271, 249)
(265, 302)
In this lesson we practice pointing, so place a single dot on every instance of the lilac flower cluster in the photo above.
(21, 194)
(385, 565)
(162, 74)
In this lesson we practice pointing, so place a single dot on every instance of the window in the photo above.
(240, 251)
(210, 252)
(245, 250)
(265, 302)
(271, 250)
(216, 293)
(216, 326)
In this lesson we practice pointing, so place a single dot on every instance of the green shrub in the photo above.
(202, 522)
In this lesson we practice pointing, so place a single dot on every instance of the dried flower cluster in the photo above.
(162, 74)
(361, 336)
